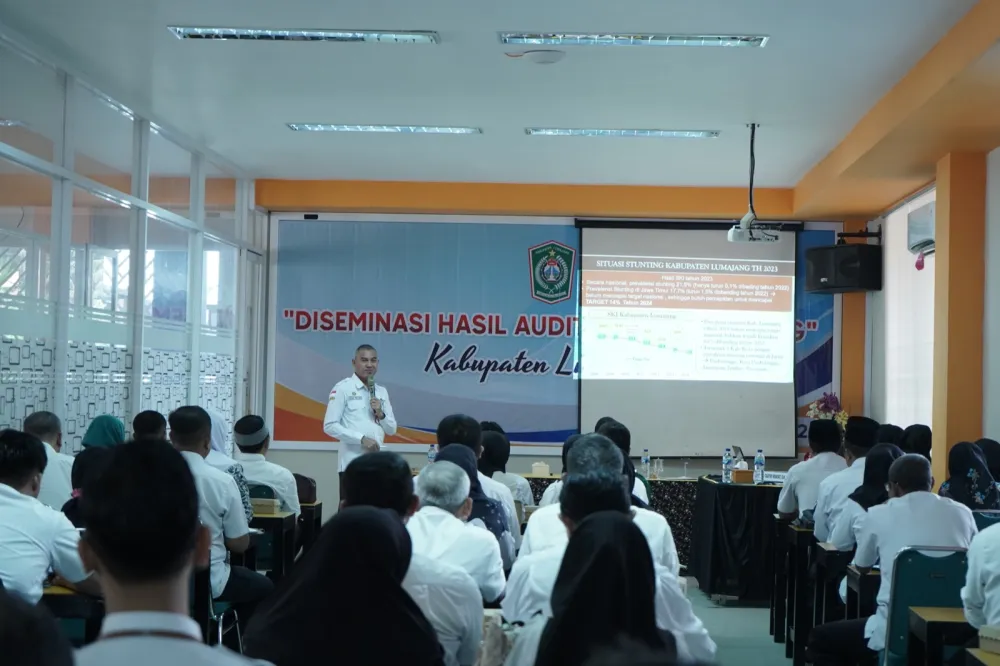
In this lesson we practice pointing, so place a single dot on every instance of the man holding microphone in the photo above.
(359, 414)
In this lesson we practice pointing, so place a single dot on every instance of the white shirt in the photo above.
(450, 600)
(981, 594)
(639, 490)
(518, 487)
(221, 511)
(156, 650)
(833, 492)
(551, 494)
(260, 471)
(440, 536)
(802, 482)
(847, 528)
(916, 519)
(545, 530)
(33, 539)
(501, 493)
(57, 480)
(529, 592)
(349, 417)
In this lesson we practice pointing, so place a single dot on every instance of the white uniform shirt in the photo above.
(847, 528)
(551, 494)
(33, 539)
(450, 600)
(259, 471)
(156, 650)
(916, 519)
(802, 482)
(529, 592)
(833, 492)
(545, 530)
(981, 594)
(57, 480)
(349, 417)
(518, 487)
(221, 511)
(440, 536)
(501, 493)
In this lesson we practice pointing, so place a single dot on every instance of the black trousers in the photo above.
(244, 591)
(841, 642)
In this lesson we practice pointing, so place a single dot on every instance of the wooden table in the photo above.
(67, 604)
(312, 523)
(779, 585)
(281, 527)
(830, 567)
(862, 592)
(977, 657)
(931, 629)
(799, 623)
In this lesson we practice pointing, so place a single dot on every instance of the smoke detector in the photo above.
(540, 56)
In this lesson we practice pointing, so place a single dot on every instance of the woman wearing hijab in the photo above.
(991, 452)
(104, 431)
(917, 439)
(220, 459)
(488, 512)
(847, 527)
(343, 603)
(493, 463)
(551, 494)
(969, 479)
(604, 594)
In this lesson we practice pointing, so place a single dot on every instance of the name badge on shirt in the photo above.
(355, 396)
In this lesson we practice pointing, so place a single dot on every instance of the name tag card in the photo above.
(777, 478)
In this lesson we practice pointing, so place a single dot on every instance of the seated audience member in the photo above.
(439, 531)
(485, 512)
(604, 593)
(595, 453)
(221, 512)
(34, 538)
(104, 431)
(219, 458)
(57, 484)
(551, 494)
(801, 486)
(447, 596)
(461, 429)
(253, 440)
(969, 479)
(149, 425)
(981, 594)
(917, 439)
(88, 467)
(144, 539)
(491, 426)
(533, 577)
(991, 452)
(622, 438)
(30, 635)
(850, 521)
(889, 434)
(493, 464)
(913, 516)
(859, 438)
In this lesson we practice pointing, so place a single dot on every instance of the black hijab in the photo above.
(496, 452)
(604, 592)
(917, 439)
(872, 490)
(991, 452)
(969, 479)
(342, 596)
(488, 510)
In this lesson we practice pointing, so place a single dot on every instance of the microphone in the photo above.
(371, 392)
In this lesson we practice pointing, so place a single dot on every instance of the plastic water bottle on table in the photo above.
(727, 466)
(758, 467)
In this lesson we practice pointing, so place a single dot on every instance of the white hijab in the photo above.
(219, 455)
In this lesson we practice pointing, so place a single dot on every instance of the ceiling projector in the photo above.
(745, 233)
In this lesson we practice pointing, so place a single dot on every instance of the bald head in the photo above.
(910, 473)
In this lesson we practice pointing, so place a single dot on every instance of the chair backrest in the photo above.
(986, 518)
(641, 478)
(306, 488)
(261, 492)
(201, 599)
(921, 576)
(519, 507)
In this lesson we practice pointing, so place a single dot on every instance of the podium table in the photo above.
(733, 538)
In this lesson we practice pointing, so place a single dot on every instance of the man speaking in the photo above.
(359, 413)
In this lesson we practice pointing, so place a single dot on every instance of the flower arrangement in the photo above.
(828, 408)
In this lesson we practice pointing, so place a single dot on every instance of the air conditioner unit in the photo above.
(920, 230)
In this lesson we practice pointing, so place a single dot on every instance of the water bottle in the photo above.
(758, 467)
(645, 463)
(432, 453)
(727, 466)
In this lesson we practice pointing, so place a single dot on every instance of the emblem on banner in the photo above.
(552, 267)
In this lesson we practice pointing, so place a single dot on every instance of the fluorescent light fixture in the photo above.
(383, 129)
(604, 39)
(642, 133)
(269, 35)
(11, 123)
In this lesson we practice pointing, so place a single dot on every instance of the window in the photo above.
(219, 284)
(166, 271)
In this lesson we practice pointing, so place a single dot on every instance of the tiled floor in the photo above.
(739, 632)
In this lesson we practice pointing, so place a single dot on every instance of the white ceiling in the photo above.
(827, 63)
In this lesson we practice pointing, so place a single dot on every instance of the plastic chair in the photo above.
(210, 614)
(649, 492)
(261, 492)
(519, 509)
(919, 579)
(986, 518)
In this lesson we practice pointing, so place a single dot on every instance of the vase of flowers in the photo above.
(828, 408)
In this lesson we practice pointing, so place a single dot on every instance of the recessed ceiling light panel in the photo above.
(343, 36)
(606, 39)
(383, 129)
(640, 133)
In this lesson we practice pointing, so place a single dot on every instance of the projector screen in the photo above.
(688, 339)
